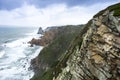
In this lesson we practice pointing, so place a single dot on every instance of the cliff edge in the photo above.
(98, 56)
(94, 54)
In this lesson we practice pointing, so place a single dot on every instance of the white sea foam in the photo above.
(2, 53)
(17, 56)
(21, 41)
(17, 43)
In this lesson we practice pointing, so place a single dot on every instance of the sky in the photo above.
(46, 13)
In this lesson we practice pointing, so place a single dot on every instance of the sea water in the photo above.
(16, 53)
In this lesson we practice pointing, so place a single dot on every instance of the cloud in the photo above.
(55, 14)
(70, 3)
(12, 4)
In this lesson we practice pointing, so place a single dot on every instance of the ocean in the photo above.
(16, 53)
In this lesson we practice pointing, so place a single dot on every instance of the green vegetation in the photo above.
(51, 55)
(64, 40)
(115, 8)
(57, 67)
(59, 44)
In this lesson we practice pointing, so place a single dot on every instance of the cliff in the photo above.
(98, 57)
(58, 40)
(51, 33)
(94, 54)
(47, 37)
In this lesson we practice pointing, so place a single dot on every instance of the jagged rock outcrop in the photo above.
(40, 31)
(48, 36)
(98, 57)
(35, 42)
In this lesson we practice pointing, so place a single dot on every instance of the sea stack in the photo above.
(40, 31)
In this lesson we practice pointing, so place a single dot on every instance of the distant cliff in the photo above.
(56, 41)
(48, 35)
(51, 33)
(93, 55)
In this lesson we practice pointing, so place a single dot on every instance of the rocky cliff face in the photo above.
(98, 56)
(95, 52)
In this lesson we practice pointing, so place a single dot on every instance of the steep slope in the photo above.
(95, 53)
(55, 49)
(98, 56)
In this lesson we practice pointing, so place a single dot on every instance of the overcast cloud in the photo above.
(49, 12)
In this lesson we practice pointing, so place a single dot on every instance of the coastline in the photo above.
(16, 55)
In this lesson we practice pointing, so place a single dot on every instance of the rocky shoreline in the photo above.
(47, 36)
